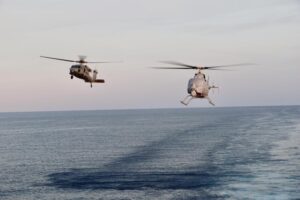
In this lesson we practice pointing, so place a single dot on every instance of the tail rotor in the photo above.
(213, 87)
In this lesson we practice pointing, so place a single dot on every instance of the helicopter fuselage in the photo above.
(85, 73)
(198, 86)
(81, 72)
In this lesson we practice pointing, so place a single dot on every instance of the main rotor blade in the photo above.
(77, 61)
(104, 62)
(171, 68)
(217, 69)
(58, 59)
(179, 64)
(232, 65)
(204, 67)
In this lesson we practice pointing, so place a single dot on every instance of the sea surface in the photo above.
(205, 153)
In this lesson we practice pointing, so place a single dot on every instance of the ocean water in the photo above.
(215, 153)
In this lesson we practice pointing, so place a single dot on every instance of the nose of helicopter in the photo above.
(198, 94)
(194, 93)
(74, 69)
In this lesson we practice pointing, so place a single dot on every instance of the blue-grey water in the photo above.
(216, 153)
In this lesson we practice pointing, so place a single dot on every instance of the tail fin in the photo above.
(95, 72)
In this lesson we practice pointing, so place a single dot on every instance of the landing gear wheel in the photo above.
(72, 77)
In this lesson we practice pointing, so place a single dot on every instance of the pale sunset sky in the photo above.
(141, 33)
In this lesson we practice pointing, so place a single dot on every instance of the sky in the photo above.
(141, 33)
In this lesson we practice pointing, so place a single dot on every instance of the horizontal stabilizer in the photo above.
(99, 81)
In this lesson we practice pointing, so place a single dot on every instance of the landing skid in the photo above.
(183, 103)
(210, 101)
(187, 100)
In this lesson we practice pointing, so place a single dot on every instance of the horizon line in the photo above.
(158, 108)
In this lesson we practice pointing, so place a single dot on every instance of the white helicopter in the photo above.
(81, 70)
(198, 86)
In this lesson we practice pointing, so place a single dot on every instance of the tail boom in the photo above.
(99, 81)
